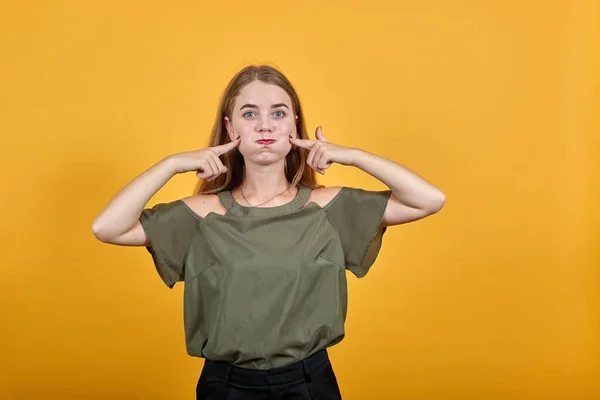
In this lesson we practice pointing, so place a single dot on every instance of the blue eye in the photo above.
(280, 114)
(246, 114)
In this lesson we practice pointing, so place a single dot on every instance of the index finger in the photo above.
(224, 148)
(307, 144)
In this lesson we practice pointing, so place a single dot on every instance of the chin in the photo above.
(271, 155)
(266, 158)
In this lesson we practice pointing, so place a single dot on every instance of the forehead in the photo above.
(263, 94)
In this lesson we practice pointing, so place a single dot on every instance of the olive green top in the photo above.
(265, 287)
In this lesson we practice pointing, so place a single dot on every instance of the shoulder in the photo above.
(203, 204)
(346, 196)
(324, 195)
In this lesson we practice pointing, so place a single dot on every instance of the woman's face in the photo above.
(262, 111)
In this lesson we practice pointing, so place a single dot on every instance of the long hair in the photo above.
(296, 169)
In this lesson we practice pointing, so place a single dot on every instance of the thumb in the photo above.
(319, 135)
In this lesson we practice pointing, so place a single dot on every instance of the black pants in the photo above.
(309, 379)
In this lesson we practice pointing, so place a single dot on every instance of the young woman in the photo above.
(261, 247)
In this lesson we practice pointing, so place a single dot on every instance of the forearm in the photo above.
(123, 211)
(407, 186)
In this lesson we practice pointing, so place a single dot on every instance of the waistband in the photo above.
(275, 376)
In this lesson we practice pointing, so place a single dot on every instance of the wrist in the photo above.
(169, 165)
(358, 156)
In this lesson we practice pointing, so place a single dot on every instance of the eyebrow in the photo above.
(255, 106)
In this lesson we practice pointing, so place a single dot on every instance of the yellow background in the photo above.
(496, 103)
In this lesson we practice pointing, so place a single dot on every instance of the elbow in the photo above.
(436, 203)
(99, 232)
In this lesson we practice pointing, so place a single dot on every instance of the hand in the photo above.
(323, 153)
(206, 161)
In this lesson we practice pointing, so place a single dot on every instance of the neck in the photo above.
(264, 181)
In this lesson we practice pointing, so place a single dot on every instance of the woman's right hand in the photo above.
(205, 162)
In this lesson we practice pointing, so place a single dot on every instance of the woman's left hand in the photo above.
(323, 153)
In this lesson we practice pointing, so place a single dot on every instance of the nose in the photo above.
(265, 124)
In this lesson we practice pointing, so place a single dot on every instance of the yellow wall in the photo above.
(496, 103)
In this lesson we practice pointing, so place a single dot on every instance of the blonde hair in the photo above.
(296, 169)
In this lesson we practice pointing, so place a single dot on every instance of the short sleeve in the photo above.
(357, 214)
(170, 227)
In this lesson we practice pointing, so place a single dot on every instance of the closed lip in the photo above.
(265, 140)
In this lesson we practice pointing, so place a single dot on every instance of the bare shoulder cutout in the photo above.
(324, 195)
(204, 204)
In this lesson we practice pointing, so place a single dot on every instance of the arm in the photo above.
(412, 197)
(118, 223)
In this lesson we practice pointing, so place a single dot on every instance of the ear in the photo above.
(229, 128)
